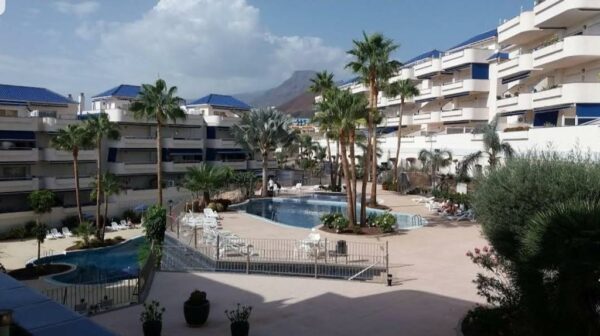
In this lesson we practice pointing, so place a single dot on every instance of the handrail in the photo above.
(362, 271)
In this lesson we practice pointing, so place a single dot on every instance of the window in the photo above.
(8, 113)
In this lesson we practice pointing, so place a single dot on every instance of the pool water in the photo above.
(108, 264)
(305, 212)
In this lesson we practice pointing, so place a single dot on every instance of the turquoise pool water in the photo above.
(100, 265)
(305, 211)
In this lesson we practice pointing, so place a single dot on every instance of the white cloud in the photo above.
(79, 8)
(206, 45)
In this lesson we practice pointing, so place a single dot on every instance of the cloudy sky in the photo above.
(224, 46)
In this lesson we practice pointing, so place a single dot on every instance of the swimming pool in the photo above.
(99, 265)
(305, 211)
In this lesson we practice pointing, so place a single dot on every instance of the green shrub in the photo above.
(225, 203)
(340, 223)
(30, 228)
(218, 207)
(71, 222)
(84, 231)
(385, 221)
(328, 219)
(371, 218)
(155, 225)
(18, 232)
(134, 216)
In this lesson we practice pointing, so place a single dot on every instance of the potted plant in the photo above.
(239, 320)
(196, 309)
(151, 318)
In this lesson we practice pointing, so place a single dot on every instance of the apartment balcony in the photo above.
(520, 30)
(405, 73)
(222, 121)
(428, 94)
(257, 164)
(428, 67)
(465, 56)
(53, 125)
(569, 52)
(22, 184)
(221, 143)
(407, 120)
(132, 168)
(183, 143)
(133, 142)
(178, 167)
(572, 93)
(521, 64)
(19, 155)
(191, 119)
(51, 154)
(384, 101)
(426, 118)
(465, 86)
(465, 114)
(122, 116)
(66, 183)
(564, 13)
(522, 102)
(30, 124)
(236, 165)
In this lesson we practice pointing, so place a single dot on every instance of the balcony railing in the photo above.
(465, 56)
(19, 155)
(19, 184)
(564, 13)
(557, 53)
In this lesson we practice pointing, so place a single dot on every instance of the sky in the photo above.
(218, 46)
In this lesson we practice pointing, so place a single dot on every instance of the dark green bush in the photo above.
(385, 221)
(71, 222)
(134, 216)
(155, 225)
(329, 219)
(30, 228)
(340, 223)
(225, 203)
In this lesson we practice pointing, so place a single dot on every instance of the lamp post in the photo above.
(171, 213)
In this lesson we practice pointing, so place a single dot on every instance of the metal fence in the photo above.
(95, 297)
(325, 258)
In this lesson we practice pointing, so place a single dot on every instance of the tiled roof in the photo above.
(430, 54)
(123, 90)
(477, 38)
(25, 94)
(221, 101)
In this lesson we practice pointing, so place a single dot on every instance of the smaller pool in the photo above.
(108, 264)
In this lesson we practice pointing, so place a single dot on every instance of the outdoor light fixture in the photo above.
(5, 322)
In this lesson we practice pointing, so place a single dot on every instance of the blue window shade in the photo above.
(588, 110)
(211, 132)
(17, 135)
(481, 71)
(232, 153)
(541, 119)
(112, 155)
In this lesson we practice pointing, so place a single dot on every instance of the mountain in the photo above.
(291, 88)
(301, 106)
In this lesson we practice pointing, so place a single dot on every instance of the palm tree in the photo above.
(492, 147)
(373, 64)
(434, 160)
(100, 127)
(345, 111)
(110, 186)
(206, 179)
(41, 202)
(158, 103)
(322, 82)
(73, 138)
(263, 131)
(406, 89)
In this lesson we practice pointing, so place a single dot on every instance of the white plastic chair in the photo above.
(56, 234)
(49, 235)
(65, 231)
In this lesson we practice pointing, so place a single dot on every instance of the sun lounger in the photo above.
(65, 231)
(423, 199)
(56, 234)
(114, 226)
(210, 213)
(49, 235)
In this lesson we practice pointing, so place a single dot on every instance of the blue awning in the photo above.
(543, 118)
(516, 77)
(513, 113)
(498, 56)
(588, 110)
(457, 95)
(184, 151)
(552, 108)
(17, 135)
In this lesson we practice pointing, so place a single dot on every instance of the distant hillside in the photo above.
(301, 106)
(291, 88)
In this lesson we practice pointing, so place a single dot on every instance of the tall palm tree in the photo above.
(110, 186)
(263, 131)
(158, 103)
(406, 89)
(492, 147)
(434, 160)
(73, 138)
(346, 111)
(206, 179)
(322, 82)
(100, 127)
(372, 62)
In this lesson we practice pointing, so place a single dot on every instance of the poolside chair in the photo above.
(82, 307)
(210, 222)
(56, 234)
(65, 231)
(423, 199)
(114, 226)
(210, 213)
(49, 235)
(298, 186)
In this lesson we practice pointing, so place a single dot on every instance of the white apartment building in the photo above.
(538, 73)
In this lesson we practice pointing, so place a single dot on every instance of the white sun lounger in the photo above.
(65, 231)
(49, 235)
(56, 234)
(210, 213)
(115, 227)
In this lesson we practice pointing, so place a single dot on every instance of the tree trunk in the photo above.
(206, 198)
(331, 173)
(38, 241)
(105, 213)
(263, 190)
(373, 138)
(349, 189)
(159, 163)
(76, 176)
(397, 162)
(99, 226)
(353, 170)
(338, 168)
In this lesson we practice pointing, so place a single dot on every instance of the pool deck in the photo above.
(432, 288)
